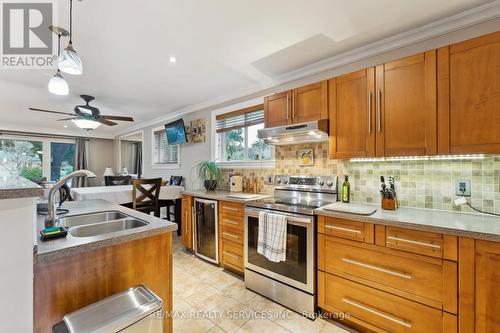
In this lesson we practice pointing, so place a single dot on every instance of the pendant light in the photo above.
(57, 84)
(69, 61)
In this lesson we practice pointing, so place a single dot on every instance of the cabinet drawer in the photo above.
(232, 222)
(232, 255)
(231, 234)
(417, 277)
(421, 242)
(231, 209)
(376, 310)
(354, 230)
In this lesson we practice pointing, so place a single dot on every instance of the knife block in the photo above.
(389, 204)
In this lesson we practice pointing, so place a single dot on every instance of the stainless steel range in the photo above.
(291, 282)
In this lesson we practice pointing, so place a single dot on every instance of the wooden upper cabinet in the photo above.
(277, 109)
(310, 102)
(296, 106)
(352, 118)
(469, 96)
(406, 123)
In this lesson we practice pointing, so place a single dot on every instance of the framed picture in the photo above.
(305, 157)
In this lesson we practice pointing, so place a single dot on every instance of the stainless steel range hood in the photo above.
(313, 131)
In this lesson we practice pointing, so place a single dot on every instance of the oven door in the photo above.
(298, 268)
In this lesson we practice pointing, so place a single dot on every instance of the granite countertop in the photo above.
(479, 226)
(46, 251)
(19, 187)
(223, 195)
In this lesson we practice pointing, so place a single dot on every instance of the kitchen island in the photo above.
(73, 272)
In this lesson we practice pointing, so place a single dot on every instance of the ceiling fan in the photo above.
(86, 116)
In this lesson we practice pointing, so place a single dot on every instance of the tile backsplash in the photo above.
(421, 184)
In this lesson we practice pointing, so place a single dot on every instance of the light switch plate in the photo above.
(462, 187)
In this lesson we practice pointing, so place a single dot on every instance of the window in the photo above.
(62, 156)
(237, 140)
(29, 158)
(164, 155)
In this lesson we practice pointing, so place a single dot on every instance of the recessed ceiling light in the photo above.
(172, 59)
(65, 126)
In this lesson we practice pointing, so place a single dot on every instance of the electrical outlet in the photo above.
(462, 187)
(269, 179)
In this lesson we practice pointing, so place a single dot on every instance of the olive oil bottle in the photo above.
(346, 190)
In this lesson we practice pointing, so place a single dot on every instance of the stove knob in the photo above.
(321, 182)
(277, 180)
(329, 183)
(285, 181)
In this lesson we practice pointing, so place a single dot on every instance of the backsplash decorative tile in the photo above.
(420, 184)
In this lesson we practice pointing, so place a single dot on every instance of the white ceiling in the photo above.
(221, 46)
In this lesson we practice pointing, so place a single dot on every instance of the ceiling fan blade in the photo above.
(64, 119)
(106, 122)
(49, 111)
(118, 118)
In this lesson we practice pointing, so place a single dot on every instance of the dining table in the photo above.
(121, 194)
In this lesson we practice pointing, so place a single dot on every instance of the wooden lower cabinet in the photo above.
(232, 255)
(69, 283)
(231, 235)
(419, 278)
(348, 229)
(187, 221)
(479, 288)
(378, 311)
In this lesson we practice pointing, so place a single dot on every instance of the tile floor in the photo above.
(209, 299)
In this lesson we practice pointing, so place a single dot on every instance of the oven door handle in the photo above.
(290, 217)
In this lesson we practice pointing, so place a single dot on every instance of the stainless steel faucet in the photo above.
(52, 207)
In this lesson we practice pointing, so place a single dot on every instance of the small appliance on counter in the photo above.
(236, 184)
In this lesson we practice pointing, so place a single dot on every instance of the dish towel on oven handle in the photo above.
(271, 242)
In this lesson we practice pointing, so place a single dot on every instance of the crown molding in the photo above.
(474, 16)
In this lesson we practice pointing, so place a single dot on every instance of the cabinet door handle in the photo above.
(231, 235)
(377, 268)
(287, 104)
(370, 112)
(379, 112)
(230, 255)
(392, 318)
(404, 240)
(293, 106)
(186, 232)
(328, 226)
(231, 222)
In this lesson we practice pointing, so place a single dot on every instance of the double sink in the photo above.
(95, 224)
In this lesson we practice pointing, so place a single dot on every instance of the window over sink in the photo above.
(236, 137)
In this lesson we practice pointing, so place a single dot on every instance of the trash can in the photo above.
(135, 310)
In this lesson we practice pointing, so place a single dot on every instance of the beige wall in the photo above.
(100, 155)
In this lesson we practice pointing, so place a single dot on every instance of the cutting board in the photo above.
(350, 208)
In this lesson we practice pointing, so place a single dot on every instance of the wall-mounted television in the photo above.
(176, 132)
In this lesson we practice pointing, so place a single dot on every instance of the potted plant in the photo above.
(209, 173)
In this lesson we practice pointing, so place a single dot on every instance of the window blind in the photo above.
(238, 119)
(164, 153)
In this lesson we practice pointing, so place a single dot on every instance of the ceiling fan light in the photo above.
(70, 62)
(58, 85)
(86, 124)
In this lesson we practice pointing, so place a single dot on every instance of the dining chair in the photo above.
(174, 181)
(64, 194)
(145, 199)
(117, 180)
